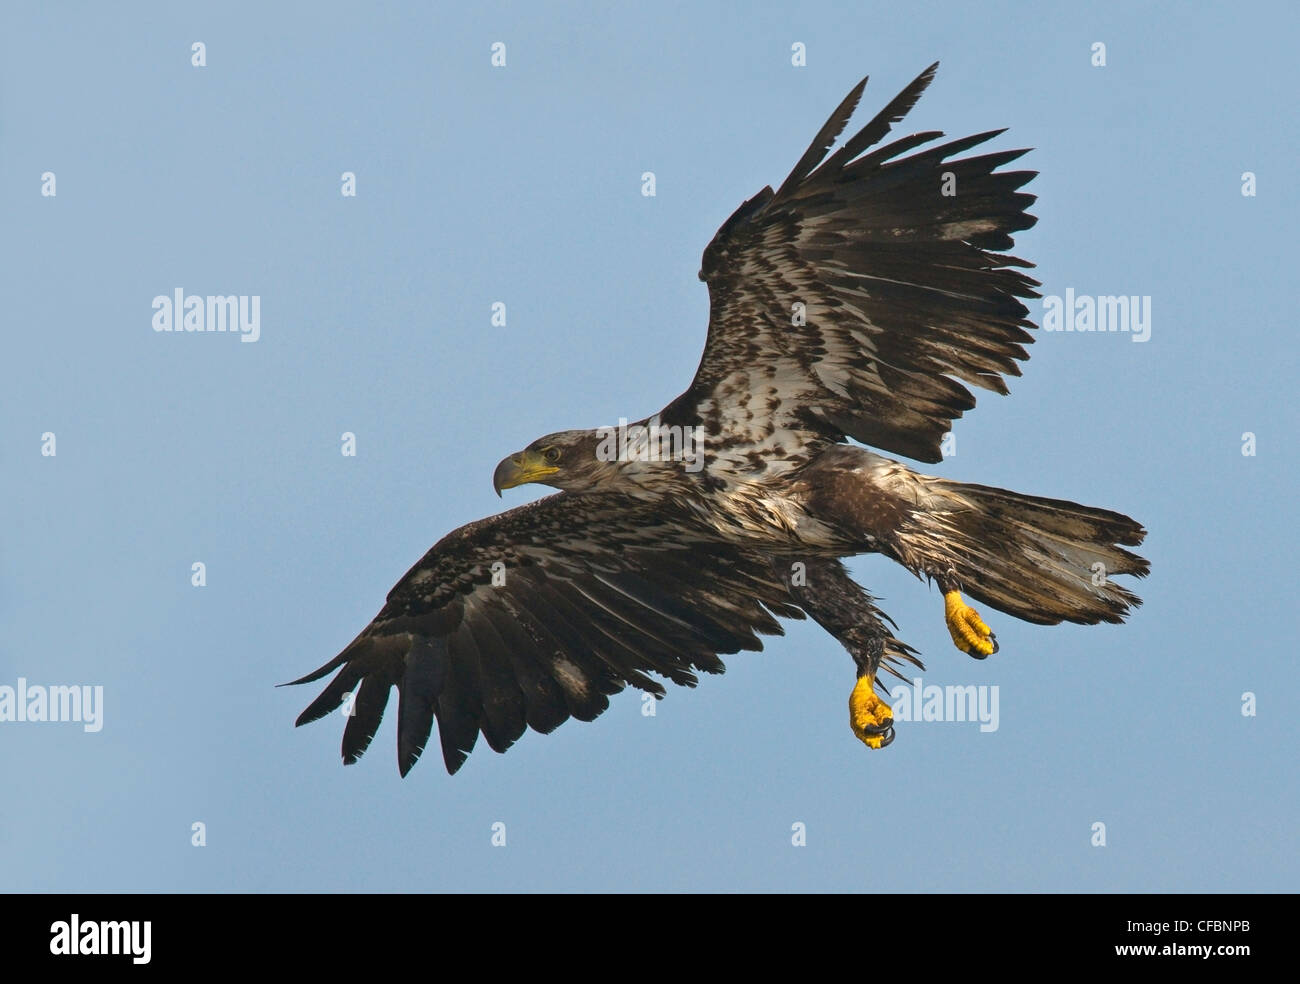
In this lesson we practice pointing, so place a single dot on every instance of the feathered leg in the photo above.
(1041, 560)
(822, 588)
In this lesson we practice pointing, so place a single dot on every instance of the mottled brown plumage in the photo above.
(857, 301)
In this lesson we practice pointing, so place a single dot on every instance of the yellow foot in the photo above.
(968, 631)
(869, 716)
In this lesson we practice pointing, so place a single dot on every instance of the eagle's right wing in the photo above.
(857, 298)
(540, 613)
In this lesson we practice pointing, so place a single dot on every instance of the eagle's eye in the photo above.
(551, 454)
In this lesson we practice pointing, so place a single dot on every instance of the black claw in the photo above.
(883, 731)
(976, 654)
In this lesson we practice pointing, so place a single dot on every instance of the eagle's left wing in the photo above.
(856, 299)
(540, 613)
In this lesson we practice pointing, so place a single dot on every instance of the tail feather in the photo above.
(1041, 560)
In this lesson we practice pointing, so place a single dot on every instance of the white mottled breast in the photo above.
(758, 511)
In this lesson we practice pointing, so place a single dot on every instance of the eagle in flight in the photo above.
(859, 301)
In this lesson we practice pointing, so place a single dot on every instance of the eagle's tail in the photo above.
(1041, 560)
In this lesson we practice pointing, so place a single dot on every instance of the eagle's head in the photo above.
(647, 458)
(567, 460)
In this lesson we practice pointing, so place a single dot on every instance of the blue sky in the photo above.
(522, 185)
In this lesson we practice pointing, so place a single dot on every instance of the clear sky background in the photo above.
(522, 184)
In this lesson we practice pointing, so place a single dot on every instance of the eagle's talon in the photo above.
(871, 718)
(968, 631)
(881, 741)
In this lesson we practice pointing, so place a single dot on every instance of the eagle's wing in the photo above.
(540, 613)
(852, 299)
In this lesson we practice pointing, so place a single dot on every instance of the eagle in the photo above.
(857, 304)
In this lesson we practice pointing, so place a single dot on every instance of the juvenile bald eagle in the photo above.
(857, 301)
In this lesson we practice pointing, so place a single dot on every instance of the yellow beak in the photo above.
(520, 469)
